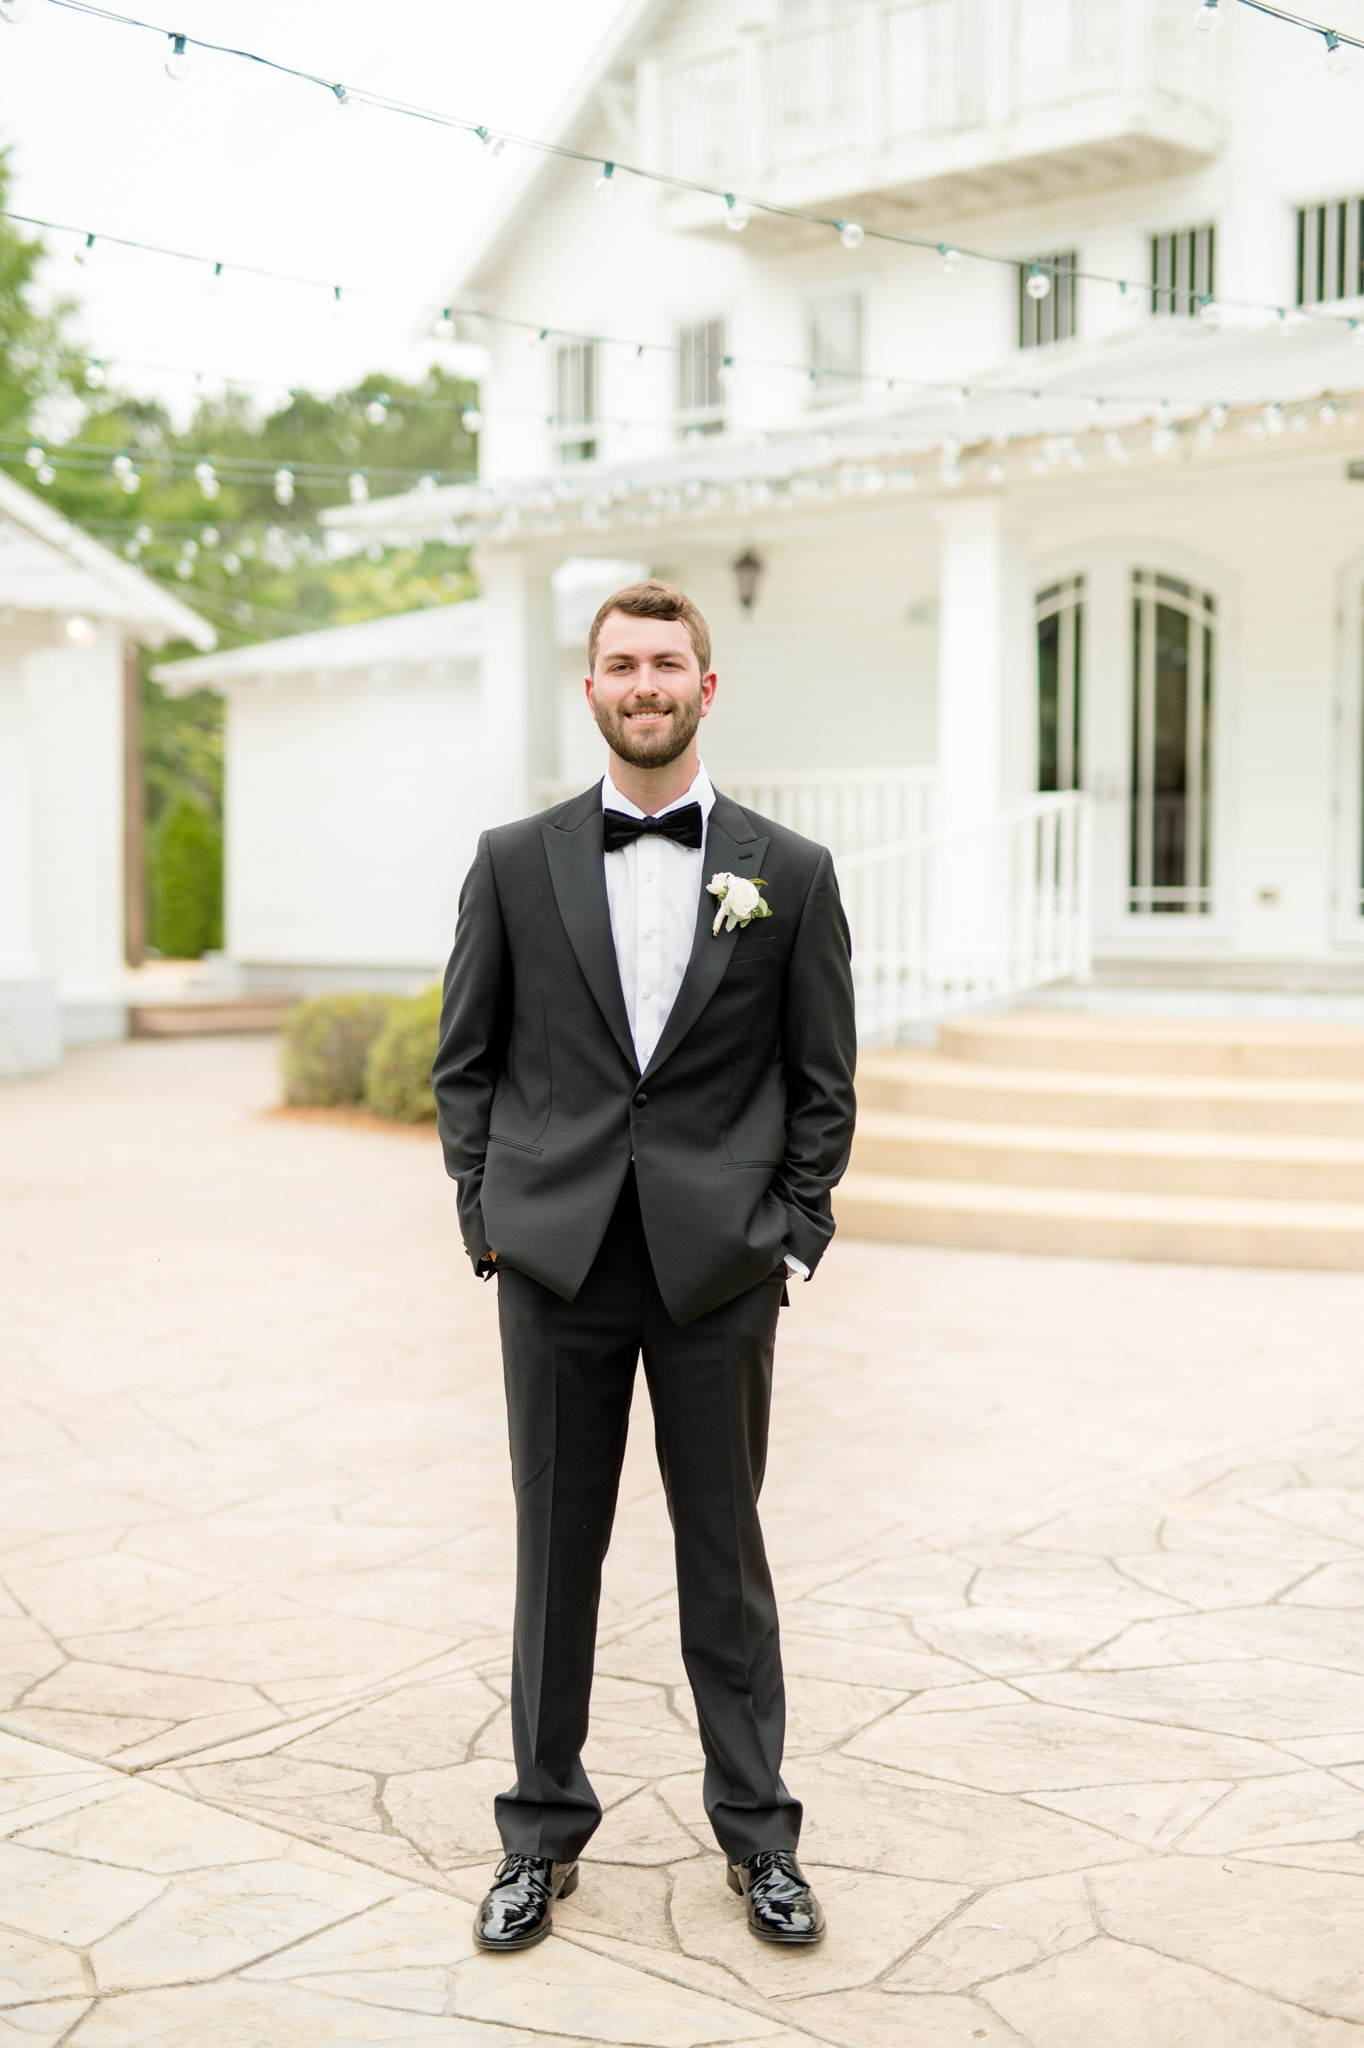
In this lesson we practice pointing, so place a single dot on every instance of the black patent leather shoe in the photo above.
(516, 1912)
(781, 1905)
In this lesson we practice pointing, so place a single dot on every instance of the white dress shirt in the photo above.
(653, 888)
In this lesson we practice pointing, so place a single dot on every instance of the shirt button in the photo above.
(646, 993)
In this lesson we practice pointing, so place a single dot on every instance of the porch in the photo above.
(1086, 688)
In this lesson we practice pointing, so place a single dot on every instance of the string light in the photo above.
(284, 487)
(207, 479)
(376, 412)
(605, 187)
(13, 11)
(736, 216)
(86, 256)
(94, 374)
(444, 328)
(338, 306)
(1208, 20)
(1039, 284)
(358, 486)
(1339, 58)
(45, 473)
(851, 233)
(34, 456)
(346, 103)
(471, 419)
(213, 283)
(179, 64)
(951, 258)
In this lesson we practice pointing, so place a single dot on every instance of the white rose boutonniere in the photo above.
(740, 902)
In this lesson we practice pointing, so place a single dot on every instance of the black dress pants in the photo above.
(570, 1369)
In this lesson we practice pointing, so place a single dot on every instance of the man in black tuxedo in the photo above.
(645, 1092)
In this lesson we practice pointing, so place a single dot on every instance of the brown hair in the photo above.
(654, 600)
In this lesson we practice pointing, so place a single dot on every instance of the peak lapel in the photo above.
(573, 849)
(710, 953)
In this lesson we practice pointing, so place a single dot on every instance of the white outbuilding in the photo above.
(72, 617)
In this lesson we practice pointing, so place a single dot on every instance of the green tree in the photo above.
(35, 360)
(185, 914)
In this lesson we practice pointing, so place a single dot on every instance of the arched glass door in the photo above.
(1060, 668)
(1174, 627)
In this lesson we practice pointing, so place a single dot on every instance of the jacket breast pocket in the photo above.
(752, 956)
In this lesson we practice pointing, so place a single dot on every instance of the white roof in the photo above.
(535, 169)
(49, 565)
(438, 634)
(1168, 371)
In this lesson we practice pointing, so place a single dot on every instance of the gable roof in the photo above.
(632, 26)
(49, 565)
(433, 636)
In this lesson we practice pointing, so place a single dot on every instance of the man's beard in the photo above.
(650, 746)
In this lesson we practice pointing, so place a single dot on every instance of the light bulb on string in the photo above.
(358, 486)
(1218, 416)
(1340, 57)
(179, 64)
(35, 457)
(130, 482)
(1039, 283)
(207, 479)
(346, 104)
(494, 144)
(471, 419)
(13, 11)
(1208, 19)
(213, 283)
(337, 309)
(736, 214)
(85, 255)
(1357, 332)
(376, 412)
(605, 187)
(94, 374)
(1209, 312)
(444, 329)
(45, 473)
(951, 258)
(144, 536)
(121, 464)
(284, 487)
(851, 233)
(209, 537)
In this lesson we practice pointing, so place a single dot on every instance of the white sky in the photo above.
(246, 167)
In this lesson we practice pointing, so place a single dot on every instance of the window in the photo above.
(1173, 645)
(700, 378)
(1060, 662)
(576, 400)
(1051, 318)
(1182, 270)
(1330, 251)
(834, 348)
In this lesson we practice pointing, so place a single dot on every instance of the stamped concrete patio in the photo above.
(1072, 1566)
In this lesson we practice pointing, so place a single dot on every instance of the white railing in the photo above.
(948, 920)
(896, 72)
(845, 810)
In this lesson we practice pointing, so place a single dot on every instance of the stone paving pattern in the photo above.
(1071, 1560)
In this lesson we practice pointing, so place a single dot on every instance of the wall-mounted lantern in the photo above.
(747, 572)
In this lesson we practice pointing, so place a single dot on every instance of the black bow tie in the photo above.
(683, 826)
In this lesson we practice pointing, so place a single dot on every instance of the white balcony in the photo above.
(940, 106)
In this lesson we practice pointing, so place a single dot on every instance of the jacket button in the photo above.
(640, 1101)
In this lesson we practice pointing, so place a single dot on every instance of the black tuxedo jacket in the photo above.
(742, 1121)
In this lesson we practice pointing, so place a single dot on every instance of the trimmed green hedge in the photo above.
(398, 1068)
(324, 1045)
(185, 883)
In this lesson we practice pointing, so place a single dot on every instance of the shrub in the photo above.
(185, 883)
(398, 1069)
(323, 1046)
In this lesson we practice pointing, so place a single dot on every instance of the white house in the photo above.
(71, 619)
(1078, 577)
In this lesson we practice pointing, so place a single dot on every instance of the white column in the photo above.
(518, 686)
(983, 727)
(30, 1031)
(983, 661)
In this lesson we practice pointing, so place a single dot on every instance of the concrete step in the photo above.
(1157, 1045)
(1262, 1165)
(1099, 1223)
(927, 1084)
(195, 1016)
